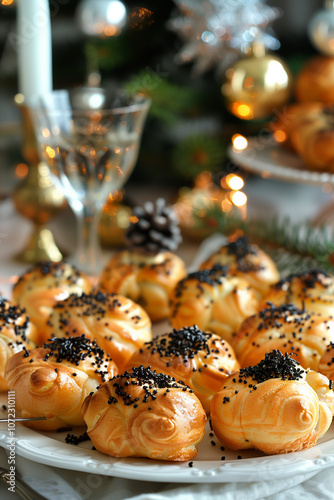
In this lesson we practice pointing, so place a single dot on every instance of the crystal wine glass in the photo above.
(90, 138)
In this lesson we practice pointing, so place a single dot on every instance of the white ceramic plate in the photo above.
(50, 449)
(265, 157)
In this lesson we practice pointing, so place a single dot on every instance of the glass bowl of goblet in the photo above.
(90, 138)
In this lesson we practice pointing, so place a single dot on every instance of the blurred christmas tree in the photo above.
(188, 128)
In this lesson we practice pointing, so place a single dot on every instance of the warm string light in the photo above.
(21, 170)
(239, 142)
(7, 2)
(206, 193)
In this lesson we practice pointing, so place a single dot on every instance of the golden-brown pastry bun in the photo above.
(287, 124)
(311, 290)
(313, 139)
(326, 364)
(146, 279)
(201, 360)
(213, 300)
(53, 381)
(246, 260)
(287, 329)
(145, 414)
(119, 325)
(315, 81)
(16, 333)
(272, 407)
(44, 285)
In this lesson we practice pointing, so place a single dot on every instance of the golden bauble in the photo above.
(114, 222)
(256, 85)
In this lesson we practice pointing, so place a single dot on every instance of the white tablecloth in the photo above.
(299, 202)
(57, 484)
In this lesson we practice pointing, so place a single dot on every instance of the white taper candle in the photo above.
(34, 48)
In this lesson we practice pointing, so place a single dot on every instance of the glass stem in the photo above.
(88, 254)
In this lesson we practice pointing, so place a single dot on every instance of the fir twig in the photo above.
(294, 247)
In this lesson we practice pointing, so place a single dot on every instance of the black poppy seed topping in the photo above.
(92, 304)
(95, 304)
(242, 249)
(274, 365)
(309, 279)
(213, 276)
(274, 315)
(186, 342)
(76, 349)
(146, 378)
(59, 270)
(9, 314)
(72, 439)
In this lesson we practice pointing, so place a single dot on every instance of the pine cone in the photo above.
(155, 230)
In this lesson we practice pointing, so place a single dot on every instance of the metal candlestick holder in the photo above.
(36, 197)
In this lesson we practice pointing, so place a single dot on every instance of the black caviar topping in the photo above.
(76, 349)
(274, 365)
(186, 342)
(9, 314)
(309, 278)
(146, 378)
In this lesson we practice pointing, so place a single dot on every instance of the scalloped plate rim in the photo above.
(265, 155)
(49, 451)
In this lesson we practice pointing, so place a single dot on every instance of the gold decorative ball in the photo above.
(115, 220)
(257, 85)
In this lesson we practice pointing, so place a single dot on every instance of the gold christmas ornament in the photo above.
(115, 220)
(256, 85)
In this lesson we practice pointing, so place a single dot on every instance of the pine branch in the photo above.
(294, 247)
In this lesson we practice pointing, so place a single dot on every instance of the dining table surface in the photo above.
(299, 202)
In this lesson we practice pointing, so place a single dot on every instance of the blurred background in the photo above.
(142, 52)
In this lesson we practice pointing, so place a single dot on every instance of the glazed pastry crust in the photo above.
(214, 301)
(286, 127)
(326, 365)
(315, 80)
(168, 426)
(16, 332)
(310, 290)
(201, 360)
(40, 288)
(119, 325)
(286, 328)
(56, 390)
(247, 261)
(274, 416)
(147, 280)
